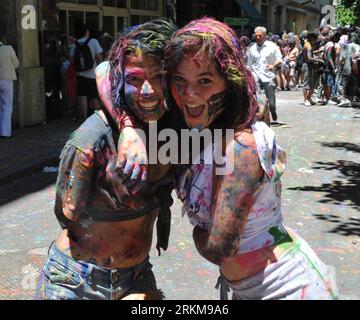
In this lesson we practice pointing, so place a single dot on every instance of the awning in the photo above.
(250, 11)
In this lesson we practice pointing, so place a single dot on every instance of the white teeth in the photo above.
(148, 105)
(193, 105)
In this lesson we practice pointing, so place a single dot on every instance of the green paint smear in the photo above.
(280, 236)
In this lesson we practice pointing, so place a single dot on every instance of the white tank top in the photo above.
(264, 222)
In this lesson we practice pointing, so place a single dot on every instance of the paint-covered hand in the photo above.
(132, 155)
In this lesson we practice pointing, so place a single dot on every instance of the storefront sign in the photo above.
(235, 21)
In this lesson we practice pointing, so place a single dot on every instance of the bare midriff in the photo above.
(119, 244)
(109, 244)
(245, 265)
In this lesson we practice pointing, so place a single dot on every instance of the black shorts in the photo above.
(86, 87)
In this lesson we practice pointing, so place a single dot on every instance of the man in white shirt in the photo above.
(8, 63)
(263, 58)
(86, 80)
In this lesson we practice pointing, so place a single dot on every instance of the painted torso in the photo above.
(263, 228)
(116, 244)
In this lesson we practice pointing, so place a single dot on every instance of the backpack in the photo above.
(83, 57)
(299, 60)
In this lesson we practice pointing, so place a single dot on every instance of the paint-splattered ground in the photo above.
(321, 200)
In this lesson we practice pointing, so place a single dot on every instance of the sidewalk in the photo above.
(34, 148)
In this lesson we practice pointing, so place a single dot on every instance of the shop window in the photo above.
(122, 23)
(152, 5)
(115, 3)
(92, 20)
(136, 19)
(109, 3)
(63, 21)
(138, 4)
(93, 2)
(109, 25)
(76, 18)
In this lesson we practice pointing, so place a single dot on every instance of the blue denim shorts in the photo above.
(64, 278)
(329, 79)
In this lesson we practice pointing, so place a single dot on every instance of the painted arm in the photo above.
(73, 184)
(309, 56)
(132, 153)
(233, 199)
(330, 59)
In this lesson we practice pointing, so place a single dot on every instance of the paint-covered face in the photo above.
(199, 91)
(143, 87)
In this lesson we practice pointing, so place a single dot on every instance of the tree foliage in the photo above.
(348, 12)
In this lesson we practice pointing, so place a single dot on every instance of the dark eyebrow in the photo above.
(206, 74)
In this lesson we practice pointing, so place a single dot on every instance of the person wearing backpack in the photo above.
(86, 54)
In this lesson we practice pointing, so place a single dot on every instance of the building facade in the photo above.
(20, 27)
(110, 16)
(276, 15)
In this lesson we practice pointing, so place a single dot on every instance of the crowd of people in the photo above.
(68, 85)
(108, 198)
(323, 62)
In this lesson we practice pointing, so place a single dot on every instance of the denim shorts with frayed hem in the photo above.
(64, 278)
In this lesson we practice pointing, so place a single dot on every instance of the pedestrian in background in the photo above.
(52, 81)
(264, 57)
(290, 59)
(8, 63)
(106, 41)
(86, 53)
(309, 68)
(329, 57)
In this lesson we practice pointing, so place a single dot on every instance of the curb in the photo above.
(28, 171)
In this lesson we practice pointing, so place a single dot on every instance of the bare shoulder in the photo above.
(246, 155)
(102, 69)
(245, 138)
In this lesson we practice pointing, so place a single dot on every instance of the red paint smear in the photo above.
(303, 293)
(203, 273)
(188, 255)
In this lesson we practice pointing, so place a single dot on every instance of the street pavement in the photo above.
(321, 201)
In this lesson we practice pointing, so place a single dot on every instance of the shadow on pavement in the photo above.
(348, 228)
(278, 124)
(342, 145)
(344, 191)
(339, 191)
(25, 186)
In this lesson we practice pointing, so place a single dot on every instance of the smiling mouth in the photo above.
(149, 105)
(195, 110)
